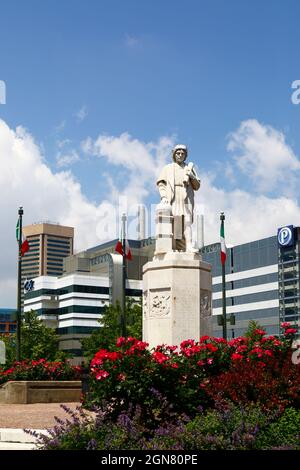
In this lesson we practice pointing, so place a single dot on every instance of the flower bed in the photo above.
(211, 394)
(40, 370)
(256, 369)
(40, 382)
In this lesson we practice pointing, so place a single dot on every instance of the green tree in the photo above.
(37, 341)
(110, 329)
(252, 326)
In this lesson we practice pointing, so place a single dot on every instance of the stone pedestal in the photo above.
(176, 298)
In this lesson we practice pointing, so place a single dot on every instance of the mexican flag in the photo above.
(223, 246)
(25, 244)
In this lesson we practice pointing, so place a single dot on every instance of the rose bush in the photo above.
(40, 370)
(255, 368)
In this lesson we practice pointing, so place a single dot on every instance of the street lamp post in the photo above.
(123, 318)
(18, 345)
(224, 322)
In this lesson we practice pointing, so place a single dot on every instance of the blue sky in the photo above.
(190, 72)
(194, 69)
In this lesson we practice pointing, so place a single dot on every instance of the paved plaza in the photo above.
(34, 416)
(14, 418)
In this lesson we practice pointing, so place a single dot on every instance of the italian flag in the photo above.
(223, 246)
(25, 244)
(119, 249)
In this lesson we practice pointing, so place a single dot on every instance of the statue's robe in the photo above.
(171, 185)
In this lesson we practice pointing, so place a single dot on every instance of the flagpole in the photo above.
(123, 319)
(224, 322)
(18, 346)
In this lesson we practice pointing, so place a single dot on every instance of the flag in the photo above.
(25, 244)
(119, 249)
(128, 251)
(223, 246)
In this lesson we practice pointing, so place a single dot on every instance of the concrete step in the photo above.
(18, 439)
(18, 435)
(16, 446)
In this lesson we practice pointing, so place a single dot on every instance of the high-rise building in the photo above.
(251, 285)
(289, 273)
(262, 282)
(49, 244)
(7, 321)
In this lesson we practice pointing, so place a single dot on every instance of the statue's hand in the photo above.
(188, 171)
(164, 200)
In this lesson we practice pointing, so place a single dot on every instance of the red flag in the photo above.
(24, 247)
(25, 244)
(119, 248)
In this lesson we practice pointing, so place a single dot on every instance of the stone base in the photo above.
(40, 391)
(177, 292)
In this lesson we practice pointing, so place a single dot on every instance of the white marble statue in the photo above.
(176, 184)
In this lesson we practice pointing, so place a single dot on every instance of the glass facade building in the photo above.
(289, 278)
(73, 304)
(251, 285)
(49, 244)
(7, 321)
(262, 282)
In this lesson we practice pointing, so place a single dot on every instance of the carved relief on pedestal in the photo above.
(160, 303)
(205, 304)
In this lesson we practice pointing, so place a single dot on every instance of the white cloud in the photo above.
(62, 143)
(64, 160)
(229, 173)
(262, 154)
(142, 161)
(25, 179)
(60, 127)
(81, 113)
(249, 216)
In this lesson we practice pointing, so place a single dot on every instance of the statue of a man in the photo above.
(176, 184)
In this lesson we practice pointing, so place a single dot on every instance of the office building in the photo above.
(49, 244)
(251, 285)
(262, 282)
(289, 274)
(73, 303)
(7, 321)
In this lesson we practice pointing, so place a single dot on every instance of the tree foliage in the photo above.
(111, 328)
(253, 325)
(38, 341)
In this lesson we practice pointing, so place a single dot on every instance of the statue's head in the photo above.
(180, 153)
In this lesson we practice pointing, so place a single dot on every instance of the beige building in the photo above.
(49, 244)
(96, 260)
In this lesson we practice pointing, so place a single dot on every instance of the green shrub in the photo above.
(283, 432)
(224, 428)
